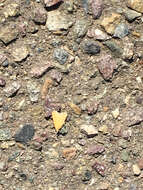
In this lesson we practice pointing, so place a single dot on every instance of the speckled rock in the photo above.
(128, 50)
(97, 34)
(110, 22)
(7, 36)
(106, 66)
(90, 47)
(80, 28)
(60, 55)
(121, 31)
(114, 47)
(97, 8)
(12, 88)
(33, 91)
(11, 10)
(57, 21)
(50, 106)
(39, 14)
(5, 134)
(132, 116)
(19, 52)
(100, 168)
(131, 15)
(137, 5)
(2, 82)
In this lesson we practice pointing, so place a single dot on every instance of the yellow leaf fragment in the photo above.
(59, 119)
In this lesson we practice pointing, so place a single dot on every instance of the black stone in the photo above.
(25, 134)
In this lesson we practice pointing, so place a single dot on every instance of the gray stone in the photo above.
(124, 156)
(121, 30)
(90, 47)
(60, 55)
(132, 116)
(33, 91)
(131, 15)
(117, 51)
(12, 89)
(80, 28)
(5, 134)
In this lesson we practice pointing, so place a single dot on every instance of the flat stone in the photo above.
(89, 130)
(25, 134)
(2, 82)
(97, 34)
(19, 52)
(103, 129)
(100, 168)
(69, 153)
(50, 3)
(137, 5)
(110, 22)
(39, 14)
(8, 33)
(97, 8)
(106, 66)
(131, 15)
(140, 163)
(95, 149)
(132, 116)
(136, 170)
(60, 55)
(75, 108)
(5, 134)
(121, 30)
(50, 106)
(11, 10)
(128, 49)
(33, 91)
(80, 28)
(12, 89)
(90, 47)
(56, 21)
(114, 47)
(38, 70)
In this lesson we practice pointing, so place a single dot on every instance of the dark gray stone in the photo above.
(25, 134)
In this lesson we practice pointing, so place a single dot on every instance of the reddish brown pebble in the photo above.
(2, 82)
(38, 70)
(50, 106)
(69, 153)
(100, 168)
(95, 149)
(97, 8)
(140, 164)
(106, 66)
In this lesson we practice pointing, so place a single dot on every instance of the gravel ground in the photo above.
(71, 95)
